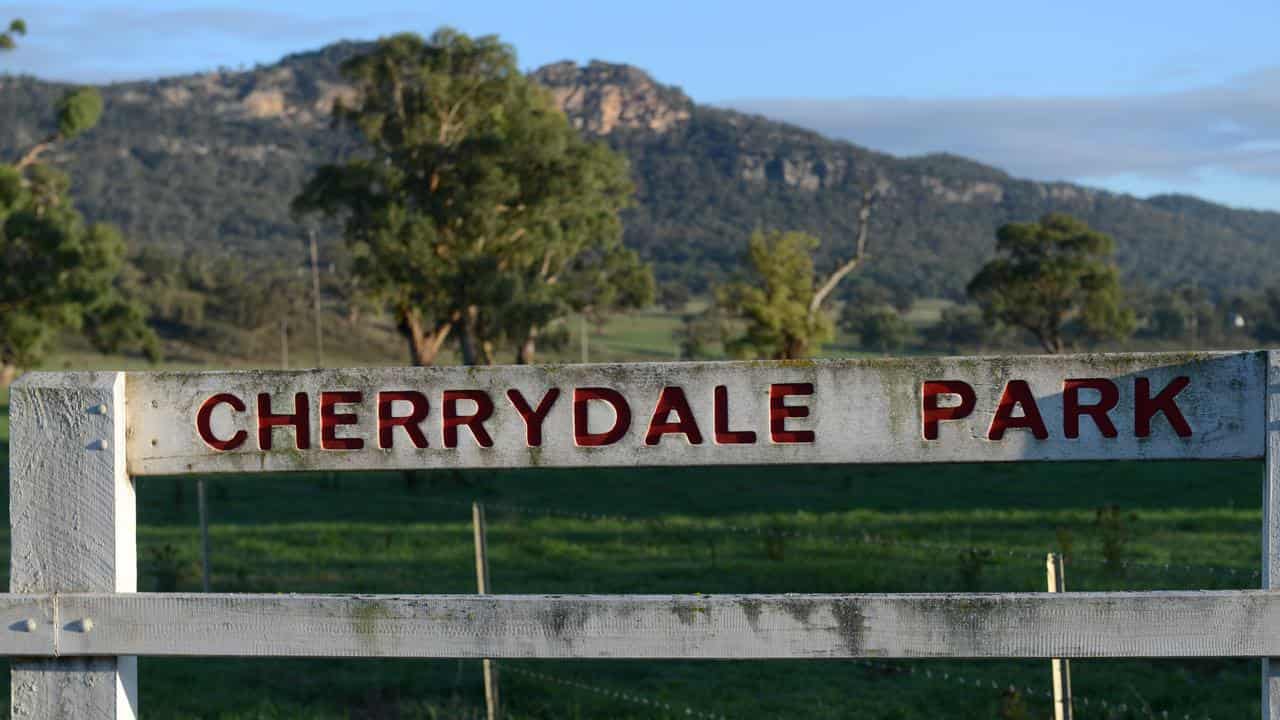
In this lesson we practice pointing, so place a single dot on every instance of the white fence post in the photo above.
(1271, 526)
(72, 512)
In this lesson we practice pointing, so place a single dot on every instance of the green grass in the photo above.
(877, 529)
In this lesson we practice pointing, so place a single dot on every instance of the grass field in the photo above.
(825, 529)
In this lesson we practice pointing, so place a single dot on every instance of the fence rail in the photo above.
(1237, 623)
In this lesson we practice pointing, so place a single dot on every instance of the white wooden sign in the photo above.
(928, 410)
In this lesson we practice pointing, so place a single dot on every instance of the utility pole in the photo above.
(315, 293)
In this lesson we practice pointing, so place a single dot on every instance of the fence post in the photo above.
(1271, 526)
(1061, 668)
(205, 569)
(72, 513)
(478, 530)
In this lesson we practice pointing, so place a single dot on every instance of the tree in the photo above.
(57, 272)
(782, 302)
(1183, 314)
(476, 211)
(775, 301)
(79, 110)
(699, 332)
(674, 296)
(962, 326)
(17, 28)
(1054, 279)
(879, 328)
(1266, 316)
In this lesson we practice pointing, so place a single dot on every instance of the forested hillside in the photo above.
(208, 163)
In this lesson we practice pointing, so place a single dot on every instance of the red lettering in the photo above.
(1017, 393)
(723, 435)
(670, 400)
(1146, 407)
(1108, 396)
(330, 420)
(300, 420)
(388, 421)
(533, 419)
(932, 413)
(475, 422)
(582, 436)
(779, 411)
(204, 422)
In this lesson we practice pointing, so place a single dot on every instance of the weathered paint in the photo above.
(72, 520)
(1238, 623)
(1157, 406)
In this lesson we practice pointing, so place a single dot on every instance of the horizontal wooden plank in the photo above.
(1032, 625)
(1081, 407)
(27, 625)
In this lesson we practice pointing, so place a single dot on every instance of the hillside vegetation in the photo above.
(208, 163)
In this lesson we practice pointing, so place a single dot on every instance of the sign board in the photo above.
(1080, 407)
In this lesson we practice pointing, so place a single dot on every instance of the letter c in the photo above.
(205, 415)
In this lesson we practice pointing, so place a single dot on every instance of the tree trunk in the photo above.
(467, 337)
(524, 356)
(1051, 341)
(8, 373)
(793, 348)
(424, 345)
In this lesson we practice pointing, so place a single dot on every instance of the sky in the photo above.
(1133, 96)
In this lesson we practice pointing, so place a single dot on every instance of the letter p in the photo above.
(932, 412)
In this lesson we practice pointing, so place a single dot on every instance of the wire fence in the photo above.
(629, 696)
(1225, 573)
(1086, 706)
(1081, 702)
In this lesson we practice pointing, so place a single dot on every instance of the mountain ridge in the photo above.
(210, 160)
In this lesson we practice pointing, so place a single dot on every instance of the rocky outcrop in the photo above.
(601, 98)
(965, 193)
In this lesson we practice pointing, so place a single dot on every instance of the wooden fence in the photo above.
(74, 624)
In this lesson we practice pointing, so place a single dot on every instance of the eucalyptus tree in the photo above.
(1054, 278)
(783, 302)
(57, 272)
(474, 211)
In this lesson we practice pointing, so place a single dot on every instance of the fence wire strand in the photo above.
(866, 539)
(627, 697)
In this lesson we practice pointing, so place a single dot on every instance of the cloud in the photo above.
(116, 42)
(1231, 128)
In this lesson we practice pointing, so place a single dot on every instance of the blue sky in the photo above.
(1138, 97)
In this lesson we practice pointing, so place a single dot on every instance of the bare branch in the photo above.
(33, 155)
(864, 221)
